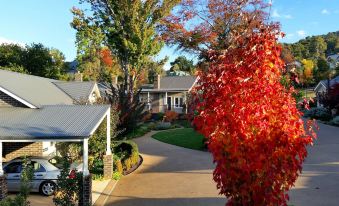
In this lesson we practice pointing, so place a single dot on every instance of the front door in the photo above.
(169, 103)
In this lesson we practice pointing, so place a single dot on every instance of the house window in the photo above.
(178, 102)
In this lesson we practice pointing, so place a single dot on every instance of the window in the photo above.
(14, 167)
(38, 167)
(178, 102)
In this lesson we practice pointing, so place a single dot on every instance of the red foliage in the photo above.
(106, 57)
(201, 25)
(254, 130)
(170, 116)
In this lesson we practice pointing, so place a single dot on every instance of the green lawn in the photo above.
(186, 137)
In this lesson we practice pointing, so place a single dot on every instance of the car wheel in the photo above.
(48, 188)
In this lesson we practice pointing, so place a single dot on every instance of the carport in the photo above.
(57, 123)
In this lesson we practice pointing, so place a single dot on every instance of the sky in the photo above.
(48, 22)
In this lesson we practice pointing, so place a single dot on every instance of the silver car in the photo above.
(45, 175)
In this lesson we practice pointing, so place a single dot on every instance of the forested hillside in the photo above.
(312, 53)
(315, 47)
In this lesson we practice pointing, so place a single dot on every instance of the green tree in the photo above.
(130, 31)
(322, 71)
(11, 55)
(181, 63)
(89, 42)
(317, 47)
(155, 68)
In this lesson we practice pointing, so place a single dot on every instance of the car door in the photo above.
(39, 175)
(13, 171)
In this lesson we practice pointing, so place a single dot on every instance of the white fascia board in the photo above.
(194, 83)
(99, 122)
(18, 98)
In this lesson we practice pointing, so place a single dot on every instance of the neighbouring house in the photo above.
(333, 61)
(28, 99)
(169, 93)
(322, 87)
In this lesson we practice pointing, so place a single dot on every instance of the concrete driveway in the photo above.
(319, 183)
(169, 176)
(172, 175)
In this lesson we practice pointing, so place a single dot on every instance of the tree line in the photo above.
(35, 59)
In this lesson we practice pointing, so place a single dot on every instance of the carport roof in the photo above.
(51, 122)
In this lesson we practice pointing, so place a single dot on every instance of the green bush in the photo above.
(318, 113)
(117, 176)
(163, 126)
(128, 154)
(335, 121)
(158, 116)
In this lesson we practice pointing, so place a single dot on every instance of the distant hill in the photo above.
(315, 47)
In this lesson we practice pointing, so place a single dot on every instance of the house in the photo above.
(27, 98)
(333, 61)
(168, 93)
(36, 112)
(322, 87)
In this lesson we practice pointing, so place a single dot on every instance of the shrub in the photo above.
(335, 121)
(117, 176)
(68, 186)
(118, 166)
(128, 154)
(318, 113)
(147, 117)
(163, 126)
(158, 116)
(170, 116)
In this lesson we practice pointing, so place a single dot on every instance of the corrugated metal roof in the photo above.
(48, 122)
(37, 91)
(174, 82)
(76, 90)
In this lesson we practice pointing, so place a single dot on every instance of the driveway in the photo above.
(172, 175)
(319, 182)
(169, 176)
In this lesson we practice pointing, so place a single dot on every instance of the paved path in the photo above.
(172, 175)
(169, 176)
(319, 183)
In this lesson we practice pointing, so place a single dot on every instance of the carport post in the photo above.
(108, 133)
(85, 158)
(86, 197)
(108, 158)
(3, 182)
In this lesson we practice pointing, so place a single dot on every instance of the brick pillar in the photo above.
(85, 196)
(3, 187)
(108, 166)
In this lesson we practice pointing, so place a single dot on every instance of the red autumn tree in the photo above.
(255, 132)
(199, 26)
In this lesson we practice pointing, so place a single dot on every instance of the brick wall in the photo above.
(8, 101)
(3, 187)
(12, 150)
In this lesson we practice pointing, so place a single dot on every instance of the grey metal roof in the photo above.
(76, 90)
(35, 90)
(50, 122)
(325, 83)
(174, 82)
